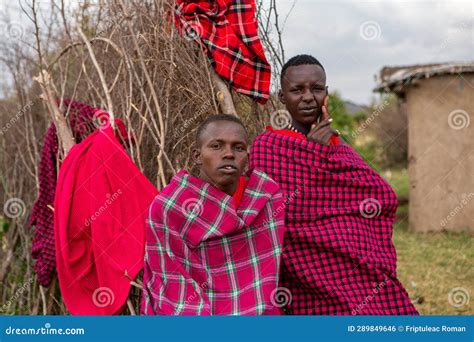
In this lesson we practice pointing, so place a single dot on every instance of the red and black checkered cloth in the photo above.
(338, 256)
(228, 30)
(81, 121)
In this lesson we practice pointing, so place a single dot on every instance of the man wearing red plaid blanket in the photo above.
(213, 242)
(338, 256)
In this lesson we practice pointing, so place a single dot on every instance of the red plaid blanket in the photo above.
(338, 254)
(204, 256)
(228, 31)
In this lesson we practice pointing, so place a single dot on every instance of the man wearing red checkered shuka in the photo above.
(338, 256)
(213, 241)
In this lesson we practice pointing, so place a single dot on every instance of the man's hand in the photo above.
(322, 132)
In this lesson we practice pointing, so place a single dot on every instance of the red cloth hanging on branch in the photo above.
(101, 204)
(228, 30)
(81, 120)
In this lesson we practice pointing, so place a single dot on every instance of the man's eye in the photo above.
(215, 146)
(240, 148)
(295, 90)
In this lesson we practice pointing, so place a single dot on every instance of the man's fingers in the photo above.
(325, 115)
(324, 108)
(322, 124)
(322, 135)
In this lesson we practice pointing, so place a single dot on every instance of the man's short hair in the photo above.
(215, 118)
(300, 60)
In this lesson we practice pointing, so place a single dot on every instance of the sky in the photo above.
(355, 39)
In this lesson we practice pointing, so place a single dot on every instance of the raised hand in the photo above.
(322, 132)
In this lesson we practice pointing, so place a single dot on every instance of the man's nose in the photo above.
(228, 152)
(308, 96)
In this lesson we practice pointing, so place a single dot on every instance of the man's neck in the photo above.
(229, 189)
(301, 127)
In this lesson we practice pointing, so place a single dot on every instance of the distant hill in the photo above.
(353, 108)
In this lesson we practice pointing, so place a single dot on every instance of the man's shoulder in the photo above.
(261, 137)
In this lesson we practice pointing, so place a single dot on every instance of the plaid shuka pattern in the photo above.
(228, 31)
(206, 257)
(338, 256)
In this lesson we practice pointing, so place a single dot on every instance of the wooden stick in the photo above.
(110, 107)
(130, 307)
(223, 95)
(64, 132)
(43, 299)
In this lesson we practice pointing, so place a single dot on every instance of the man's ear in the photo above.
(197, 156)
(281, 97)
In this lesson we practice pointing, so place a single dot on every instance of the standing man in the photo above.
(338, 256)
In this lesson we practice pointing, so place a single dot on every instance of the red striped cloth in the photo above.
(338, 256)
(228, 30)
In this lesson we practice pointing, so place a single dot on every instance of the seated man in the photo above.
(213, 242)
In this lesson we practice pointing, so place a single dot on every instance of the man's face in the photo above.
(303, 88)
(222, 154)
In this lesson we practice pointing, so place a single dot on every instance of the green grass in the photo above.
(431, 265)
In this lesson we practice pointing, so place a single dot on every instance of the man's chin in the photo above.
(224, 179)
(307, 120)
(310, 119)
